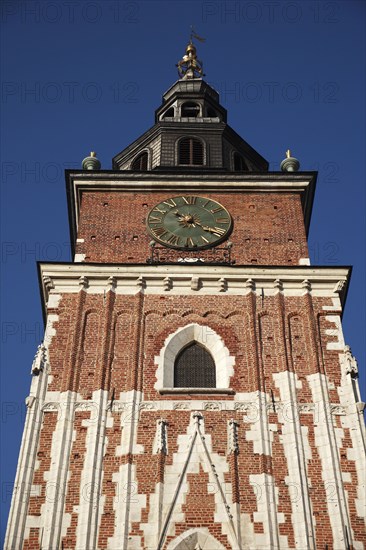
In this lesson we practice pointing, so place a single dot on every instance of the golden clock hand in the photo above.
(205, 228)
(182, 217)
(215, 230)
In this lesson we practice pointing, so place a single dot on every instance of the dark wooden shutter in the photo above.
(239, 163)
(190, 152)
(194, 368)
(140, 162)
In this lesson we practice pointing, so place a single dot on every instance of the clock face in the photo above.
(189, 222)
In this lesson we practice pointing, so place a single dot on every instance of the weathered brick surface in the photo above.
(74, 490)
(43, 465)
(228, 316)
(268, 228)
(266, 335)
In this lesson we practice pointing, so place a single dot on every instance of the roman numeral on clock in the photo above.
(190, 200)
(219, 231)
(170, 203)
(222, 220)
(159, 231)
(218, 209)
(173, 239)
(157, 209)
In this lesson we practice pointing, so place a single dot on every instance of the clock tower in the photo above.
(194, 389)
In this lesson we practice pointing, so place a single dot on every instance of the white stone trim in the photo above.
(267, 505)
(297, 451)
(130, 402)
(91, 476)
(262, 439)
(127, 505)
(354, 421)
(52, 510)
(198, 391)
(161, 441)
(203, 335)
(249, 404)
(337, 331)
(19, 522)
(194, 537)
(78, 258)
(304, 261)
(65, 278)
(194, 450)
(261, 435)
(50, 331)
(327, 440)
(53, 301)
(31, 522)
(125, 478)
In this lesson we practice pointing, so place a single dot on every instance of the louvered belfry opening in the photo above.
(194, 367)
(190, 109)
(190, 152)
(140, 162)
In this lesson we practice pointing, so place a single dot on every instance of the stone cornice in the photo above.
(327, 281)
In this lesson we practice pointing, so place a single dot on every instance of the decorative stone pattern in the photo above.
(129, 442)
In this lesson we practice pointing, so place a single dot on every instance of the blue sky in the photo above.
(87, 75)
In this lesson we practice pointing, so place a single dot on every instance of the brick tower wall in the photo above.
(285, 404)
(268, 229)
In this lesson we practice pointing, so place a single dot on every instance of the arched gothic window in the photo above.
(194, 367)
(140, 162)
(190, 152)
(173, 355)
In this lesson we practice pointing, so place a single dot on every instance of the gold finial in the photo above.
(93, 154)
(288, 153)
(189, 66)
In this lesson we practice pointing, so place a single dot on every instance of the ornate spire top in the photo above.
(189, 66)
